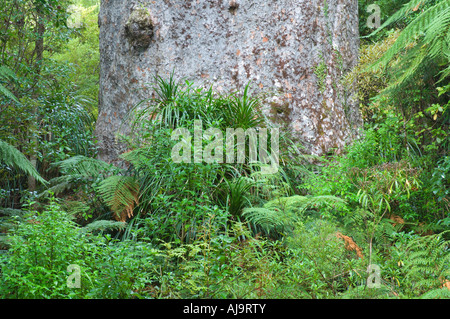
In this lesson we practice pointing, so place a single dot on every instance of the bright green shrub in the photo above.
(125, 269)
(40, 250)
(320, 264)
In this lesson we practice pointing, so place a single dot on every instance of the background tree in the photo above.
(49, 120)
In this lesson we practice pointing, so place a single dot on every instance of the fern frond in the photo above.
(61, 184)
(4, 91)
(427, 35)
(440, 293)
(104, 225)
(400, 14)
(12, 212)
(437, 34)
(11, 156)
(298, 204)
(437, 40)
(418, 26)
(78, 169)
(445, 73)
(7, 73)
(139, 158)
(76, 207)
(282, 213)
(427, 262)
(84, 166)
(121, 193)
(269, 220)
(409, 67)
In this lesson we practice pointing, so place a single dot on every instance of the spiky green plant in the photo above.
(176, 104)
(237, 195)
(242, 110)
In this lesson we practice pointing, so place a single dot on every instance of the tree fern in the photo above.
(11, 156)
(84, 166)
(427, 34)
(103, 187)
(407, 8)
(80, 169)
(118, 191)
(121, 193)
(268, 220)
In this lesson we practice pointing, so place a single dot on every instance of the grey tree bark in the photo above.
(299, 49)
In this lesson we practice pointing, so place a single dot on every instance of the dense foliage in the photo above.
(73, 226)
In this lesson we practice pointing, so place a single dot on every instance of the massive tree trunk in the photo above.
(297, 48)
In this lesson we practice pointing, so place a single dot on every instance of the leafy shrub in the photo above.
(441, 179)
(40, 250)
(323, 268)
(125, 269)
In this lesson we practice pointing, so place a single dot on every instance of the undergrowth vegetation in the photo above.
(151, 227)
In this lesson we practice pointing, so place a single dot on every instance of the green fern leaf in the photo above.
(84, 166)
(11, 156)
(269, 220)
(427, 34)
(121, 193)
(282, 213)
(103, 225)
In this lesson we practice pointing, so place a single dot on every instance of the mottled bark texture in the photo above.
(299, 49)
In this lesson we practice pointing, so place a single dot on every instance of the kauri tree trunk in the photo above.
(298, 49)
